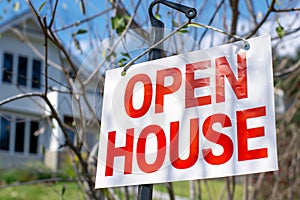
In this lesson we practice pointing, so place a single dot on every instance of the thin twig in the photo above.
(46, 57)
(246, 47)
(249, 4)
(23, 37)
(55, 115)
(286, 33)
(288, 70)
(270, 9)
(82, 21)
(128, 65)
(286, 10)
(20, 96)
(211, 20)
(114, 46)
(53, 14)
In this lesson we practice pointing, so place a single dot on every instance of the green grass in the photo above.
(209, 188)
(53, 191)
(42, 192)
(32, 171)
(36, 171)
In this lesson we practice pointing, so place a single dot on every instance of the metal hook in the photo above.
(158, 25)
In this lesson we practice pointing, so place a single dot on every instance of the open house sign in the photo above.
(203, 114)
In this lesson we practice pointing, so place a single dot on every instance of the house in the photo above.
(27, 131)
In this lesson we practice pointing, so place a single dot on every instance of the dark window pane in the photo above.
(7, 68)
(70, 130)
(34, 126)
(4, 134)
(22, 71)
(20, 133)
(36, 74)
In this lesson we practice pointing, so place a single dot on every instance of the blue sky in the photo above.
(69, 12)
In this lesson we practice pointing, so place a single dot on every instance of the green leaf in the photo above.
(113, 22)
(183, 31)
(63, 190)
(175, 24)
(280, 30)
(104, 53)
(17, 6)
(79, 32)
(42, 6)
(125, 55)
(122, 62)
(43, 149)
(157, 16)
(126, 17)
(123, 73)
(118, 23)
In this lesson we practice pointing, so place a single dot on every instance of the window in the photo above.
(22, 70)
(33, 145)
(36, 74)
(7, 68)
(19, 136)
(69, 121)
(4, 134)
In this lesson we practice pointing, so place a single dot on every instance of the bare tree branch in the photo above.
(288, 70)
(122, 11)
(53, 14)
(211, 20)
(21, 96)
(286, 10)
(112, 49)
(249, 4)
(83, 21)
(234, 4)
(270, 9)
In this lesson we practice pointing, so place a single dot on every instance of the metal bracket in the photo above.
(145, 191)
(158, 25)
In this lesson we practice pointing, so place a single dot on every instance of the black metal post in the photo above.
(145, 191)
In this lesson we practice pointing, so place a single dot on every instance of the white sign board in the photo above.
(203, 114)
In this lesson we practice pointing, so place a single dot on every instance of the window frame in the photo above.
(33, 60)
(4, 118)
(3, 67)
(15, 70)
(22, 74)
(27, 120)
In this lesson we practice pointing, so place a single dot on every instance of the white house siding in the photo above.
(35, 109)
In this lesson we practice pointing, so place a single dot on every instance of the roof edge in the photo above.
(23, 16)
